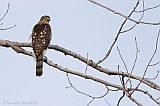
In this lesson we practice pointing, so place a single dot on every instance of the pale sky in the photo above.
(82, 27)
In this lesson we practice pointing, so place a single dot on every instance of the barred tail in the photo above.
(39, 65)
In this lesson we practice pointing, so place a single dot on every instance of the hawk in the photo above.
(41, 37)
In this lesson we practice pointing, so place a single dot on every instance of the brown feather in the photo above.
(41, 36)
(39, 65)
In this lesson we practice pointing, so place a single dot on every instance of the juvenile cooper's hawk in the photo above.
(41, 36)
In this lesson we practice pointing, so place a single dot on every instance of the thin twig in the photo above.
(123, 85)
(136, 57)
(117, 36)
(4, 17)
(155, 51)
(122, 60)
(95, 97)
(106, 101)
(135, 23)
(154, 64)
(8, 28)
(134, 64)
(5, 13)
(154, 77)
(150, 8)
(86, 65)
(90, 102)
(124, 16)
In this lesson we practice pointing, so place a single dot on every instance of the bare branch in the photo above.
(117, 36)
(135, 23)
(122, 59)
(136, 57)
(93, 97)
(154, 64)
(106, 101)
(86, 65)
(50, 63)
(120, 99)
(126, 92)
(155, 51)
(90, 102)
(122, 15)
(6, 43)
(133, 99)
(5, 13)
(150, 8)
(72, 86)
(154, 77)
(8, 28)
(122, 82)
(4, 17)
(144, 92)
(17, 47)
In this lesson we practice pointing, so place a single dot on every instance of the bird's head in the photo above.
(44, 20)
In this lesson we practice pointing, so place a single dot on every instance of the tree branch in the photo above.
(91, 63)
(4, 17)
(118, 34)
(122, 15)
